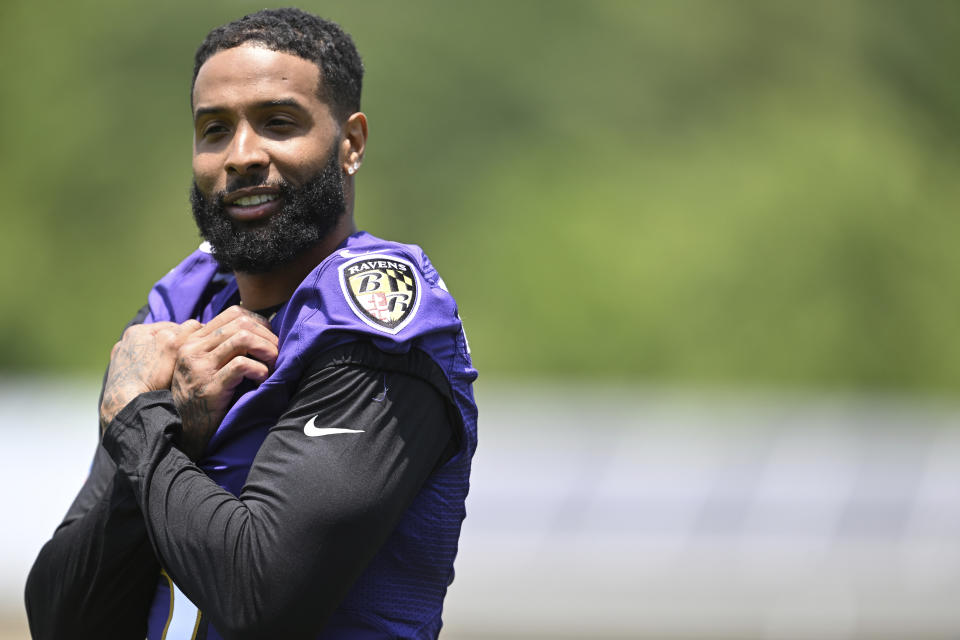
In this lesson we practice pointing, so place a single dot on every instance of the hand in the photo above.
(142, 361)
(212, 361)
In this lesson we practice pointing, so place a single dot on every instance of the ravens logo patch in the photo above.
(383, 291)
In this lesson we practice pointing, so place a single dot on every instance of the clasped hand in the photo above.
(202, 365)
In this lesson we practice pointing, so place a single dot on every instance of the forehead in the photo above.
(251, 73)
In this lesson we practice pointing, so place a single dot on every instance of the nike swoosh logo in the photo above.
(313, 431)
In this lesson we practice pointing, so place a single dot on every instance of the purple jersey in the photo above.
(368, 289)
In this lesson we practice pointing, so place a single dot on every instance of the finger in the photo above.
(241, 323)
(210, 341)
(228, 316)
(190, 326)
(247, 323)
(171, 338)
(245, 343)
(184, 330)
(238, 369)
(219, 320)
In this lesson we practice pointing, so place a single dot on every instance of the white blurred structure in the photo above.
(631, 513)
(626, 512)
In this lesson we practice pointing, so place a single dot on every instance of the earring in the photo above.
(352, 169)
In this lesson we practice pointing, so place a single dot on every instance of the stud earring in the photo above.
(352, 169)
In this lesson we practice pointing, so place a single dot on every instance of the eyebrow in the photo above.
(265, 104)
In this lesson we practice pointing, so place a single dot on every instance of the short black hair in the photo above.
(302, 34)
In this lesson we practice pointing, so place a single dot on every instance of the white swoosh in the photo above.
(313, 431)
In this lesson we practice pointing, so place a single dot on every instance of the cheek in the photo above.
(306, 160)
(205, 174)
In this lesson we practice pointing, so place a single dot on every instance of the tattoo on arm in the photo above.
(196, 415)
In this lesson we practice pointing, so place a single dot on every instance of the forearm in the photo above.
(96, 575)
(202, 534)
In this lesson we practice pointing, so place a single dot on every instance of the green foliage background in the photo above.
(694, 192)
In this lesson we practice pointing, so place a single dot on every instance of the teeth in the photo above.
(249, 201)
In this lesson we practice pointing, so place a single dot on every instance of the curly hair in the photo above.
(302, 34)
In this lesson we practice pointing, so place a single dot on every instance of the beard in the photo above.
(306, 215)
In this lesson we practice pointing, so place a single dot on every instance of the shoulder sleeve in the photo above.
(388, 293)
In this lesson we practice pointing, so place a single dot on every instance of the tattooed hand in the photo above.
(212, 361)
(142, 361)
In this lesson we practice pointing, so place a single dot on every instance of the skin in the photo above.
(143, 360)
(257, 118)
(211, 362)
(240, 136)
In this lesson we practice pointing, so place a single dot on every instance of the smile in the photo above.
(250, 201)
(253, 207)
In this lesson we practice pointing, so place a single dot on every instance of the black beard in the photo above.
(307, 214)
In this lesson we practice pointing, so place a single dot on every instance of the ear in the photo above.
(354, 142)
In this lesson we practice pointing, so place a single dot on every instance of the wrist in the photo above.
(142, 430)
(114, 401)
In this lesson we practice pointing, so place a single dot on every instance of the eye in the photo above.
(280, 123)
(213, 130)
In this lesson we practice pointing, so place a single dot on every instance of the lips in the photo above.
(249, 201)
(251, 204)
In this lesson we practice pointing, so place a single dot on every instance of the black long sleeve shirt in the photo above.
(277, 558)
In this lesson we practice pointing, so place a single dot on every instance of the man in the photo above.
(287, 426)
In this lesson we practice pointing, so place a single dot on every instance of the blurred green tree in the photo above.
(695, 192)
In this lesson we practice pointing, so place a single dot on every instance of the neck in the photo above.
(262, 290)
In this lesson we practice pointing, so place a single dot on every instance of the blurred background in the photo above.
(704, 252)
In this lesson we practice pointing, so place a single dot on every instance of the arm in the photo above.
(96, 575)
(277, 559)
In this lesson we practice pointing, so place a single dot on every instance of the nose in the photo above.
(246, 153)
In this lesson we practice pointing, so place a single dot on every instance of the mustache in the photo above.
(242, 182)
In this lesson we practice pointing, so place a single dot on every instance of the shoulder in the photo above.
(376, 287)
(365, 252)
(384, 287)
(174, 297)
